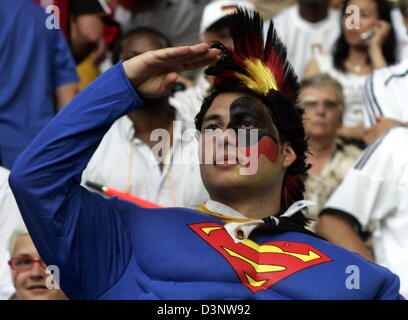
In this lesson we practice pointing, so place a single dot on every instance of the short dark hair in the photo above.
(341, 48)
(117, 49)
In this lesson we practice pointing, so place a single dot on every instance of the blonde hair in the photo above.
(20, 230)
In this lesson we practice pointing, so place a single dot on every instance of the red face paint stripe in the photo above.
(266, 146)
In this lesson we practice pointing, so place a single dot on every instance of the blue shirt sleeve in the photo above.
(63, 67)
(78, 231)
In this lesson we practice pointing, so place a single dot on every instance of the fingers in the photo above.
(200, 61)
(169, 81)
(181, 53)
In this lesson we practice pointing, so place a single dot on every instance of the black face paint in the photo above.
(248, 113)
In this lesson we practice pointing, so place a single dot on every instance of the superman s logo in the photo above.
(259, 266)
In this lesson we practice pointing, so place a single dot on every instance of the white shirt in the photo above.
(10, 218)
(304, 39)
(353, 88)
(127, 164)
(386, 93)
(247, 227)
(375, 192)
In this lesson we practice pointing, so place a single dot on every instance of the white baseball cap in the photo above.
(217, 10)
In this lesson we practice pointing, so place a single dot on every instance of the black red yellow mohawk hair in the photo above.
(252, 64)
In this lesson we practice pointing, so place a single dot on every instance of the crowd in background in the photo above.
(351, 60)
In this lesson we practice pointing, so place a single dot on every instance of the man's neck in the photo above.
(155, 114)
(257, 205)
(313, 14)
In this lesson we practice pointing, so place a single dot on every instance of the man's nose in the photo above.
(228, 137)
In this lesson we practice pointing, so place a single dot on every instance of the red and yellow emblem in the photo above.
(259, 266)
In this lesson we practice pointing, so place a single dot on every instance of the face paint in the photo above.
(264, 152)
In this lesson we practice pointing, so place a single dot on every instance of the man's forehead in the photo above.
(224, 101)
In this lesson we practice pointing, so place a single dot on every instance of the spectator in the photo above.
(126, 157)
(214, 27)
(373, 197)
(10, 218)
(323, 102)
(81, 22)
(29, 271)
(307, 28)
(117, 250)
(354, 58)
(385, 94)
(37, 75)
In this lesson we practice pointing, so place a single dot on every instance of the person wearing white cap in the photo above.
(213, 27)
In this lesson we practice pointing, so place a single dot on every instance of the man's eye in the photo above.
(212, 127)
(247, 125)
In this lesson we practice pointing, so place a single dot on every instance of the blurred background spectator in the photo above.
(354, 58)
(373, 196)
(89, 29)
(29, 271)
(37, 75)
(308, 28)
(323, 102)
(10, 218)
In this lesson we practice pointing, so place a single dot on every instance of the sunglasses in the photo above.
(25, 263)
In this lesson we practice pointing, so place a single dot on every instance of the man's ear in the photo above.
(289, 155)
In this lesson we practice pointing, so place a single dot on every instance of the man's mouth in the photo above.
(37, 288)
(226, 159)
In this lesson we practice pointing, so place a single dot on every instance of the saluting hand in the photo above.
(153, 73)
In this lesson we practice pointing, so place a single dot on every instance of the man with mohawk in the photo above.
(247, 242)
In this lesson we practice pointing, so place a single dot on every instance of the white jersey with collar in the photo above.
(386, 93)
(374, 193)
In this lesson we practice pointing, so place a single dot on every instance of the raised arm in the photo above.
(76, 230)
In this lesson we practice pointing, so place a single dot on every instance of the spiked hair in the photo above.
(261, 70)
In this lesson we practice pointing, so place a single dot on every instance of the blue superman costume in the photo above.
(113, 249)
